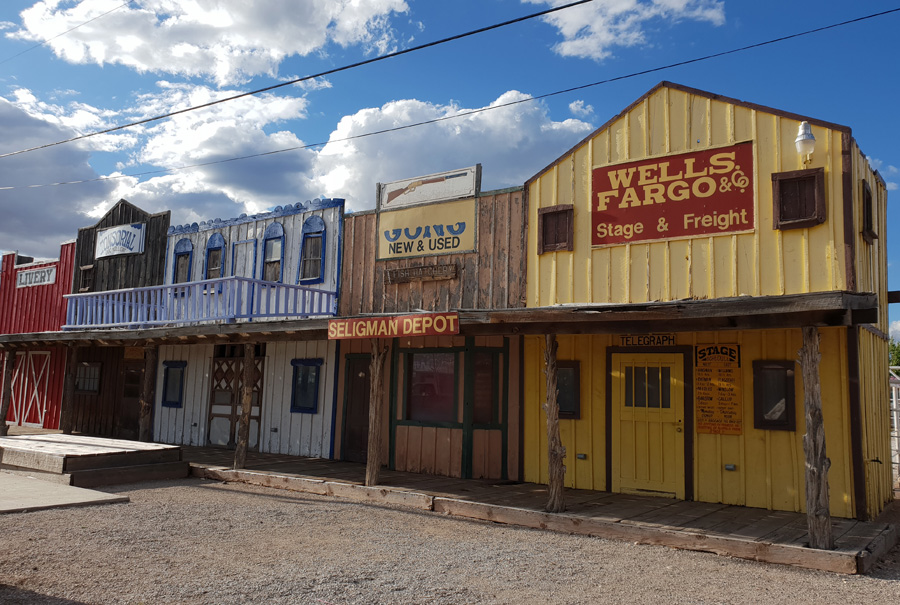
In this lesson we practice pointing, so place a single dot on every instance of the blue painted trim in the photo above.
(275, 231)
(313, 280)
(309, 205)
(244, 241)
(340, 260)
(183, 247)
(305, 363)
(179, 401)
(215, 242)
(334, 402)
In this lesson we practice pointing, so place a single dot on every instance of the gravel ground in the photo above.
(197, 541)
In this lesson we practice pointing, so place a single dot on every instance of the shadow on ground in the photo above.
(10, 595)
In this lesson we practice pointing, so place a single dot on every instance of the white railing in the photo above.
(221, 300)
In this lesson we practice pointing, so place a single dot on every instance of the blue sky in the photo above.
(149, 56)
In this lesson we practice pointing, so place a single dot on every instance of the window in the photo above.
(556, 228)
(184, 253)
(87, 377)
(215, 249)
(87, 278)
(173, 384)
(648, 387)
(305, 385)
(312, 252)
(868, 218)
(798, 198)
(568, 383)
(773, 395)
(273, 252)
(484, 388)
(431, 387)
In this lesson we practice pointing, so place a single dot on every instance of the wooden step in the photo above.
(130, 474)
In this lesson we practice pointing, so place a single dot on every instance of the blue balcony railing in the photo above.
(224, 300)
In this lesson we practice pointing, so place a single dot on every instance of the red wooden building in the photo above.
(31, 300)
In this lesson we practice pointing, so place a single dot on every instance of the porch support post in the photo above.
(818, 516)
(376, 411)
(247, 380)
(67, 413)
(148, 393)
(555, 450)
(8, 365)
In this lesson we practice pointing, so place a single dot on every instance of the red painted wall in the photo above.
(37, 379)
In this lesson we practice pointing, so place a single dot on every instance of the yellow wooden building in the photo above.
(677, 252)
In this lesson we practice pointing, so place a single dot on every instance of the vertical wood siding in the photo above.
(874, 387)
(765, 262)
(36, 309)
(770, 464)
(96, 414)
(253, 229)
(126, 270)
(188, 424)
(490, 278)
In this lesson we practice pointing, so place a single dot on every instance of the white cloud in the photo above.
(895, 330)
(593, 29)
(891, 186)
(511, 143)
(228, 40)
(578, 108)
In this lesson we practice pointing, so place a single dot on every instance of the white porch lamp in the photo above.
(805, 142)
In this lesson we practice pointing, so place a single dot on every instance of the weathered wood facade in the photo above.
(690, 196)
(452, 401)
(108, 379)
(289, 259)
(31, 299)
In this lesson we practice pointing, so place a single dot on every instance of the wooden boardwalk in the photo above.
(750, 533)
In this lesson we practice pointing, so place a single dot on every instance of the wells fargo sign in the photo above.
(420, 324)
(702, 193)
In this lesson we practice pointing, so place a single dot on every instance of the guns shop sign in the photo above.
(707, 192)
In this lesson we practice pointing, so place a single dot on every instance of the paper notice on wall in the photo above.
(718, 397)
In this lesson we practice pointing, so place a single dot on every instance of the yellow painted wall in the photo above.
(765, 262)
(769, 464)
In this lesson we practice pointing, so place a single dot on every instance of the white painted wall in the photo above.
(186, 425)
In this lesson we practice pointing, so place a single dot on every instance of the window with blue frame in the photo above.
(312, 252)
(173, 384)
(184, 254)
(215, 256)
(305, 385)
(273, 252)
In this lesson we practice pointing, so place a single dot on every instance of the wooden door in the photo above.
(648, 424)
(128, 414)
(355, 438)
(225, 403)
(31, 375)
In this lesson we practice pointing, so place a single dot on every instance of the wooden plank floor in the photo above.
(773, 536)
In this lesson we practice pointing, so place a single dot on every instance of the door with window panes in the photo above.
(225, 398)
(648, 424)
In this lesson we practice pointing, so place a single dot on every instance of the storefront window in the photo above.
(430, 387)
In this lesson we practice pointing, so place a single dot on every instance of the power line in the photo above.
(304, 78)
(466, 113)
(64, 33)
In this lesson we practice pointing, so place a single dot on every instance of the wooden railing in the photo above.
(227, 299)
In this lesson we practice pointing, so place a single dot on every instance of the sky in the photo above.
(128, 61)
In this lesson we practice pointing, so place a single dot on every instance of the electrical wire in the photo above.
(71, 29)
(304, 78)
(463, 113)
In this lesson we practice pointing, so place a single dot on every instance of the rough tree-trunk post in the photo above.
(818, 516)
(8, 364)
(376, 411)
(151, 355)
(555, 450)
(67, 413)
(247, 380)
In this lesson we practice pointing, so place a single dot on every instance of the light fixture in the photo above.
(805, 142)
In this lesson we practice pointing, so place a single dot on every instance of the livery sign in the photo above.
(36, 277)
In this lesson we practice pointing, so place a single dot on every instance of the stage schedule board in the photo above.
(717, 389)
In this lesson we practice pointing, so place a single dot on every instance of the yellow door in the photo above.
(648, 424)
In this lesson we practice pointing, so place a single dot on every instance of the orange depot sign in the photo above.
(420, 324)
(707, 192)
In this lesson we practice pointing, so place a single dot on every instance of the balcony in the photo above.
(224, 300)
